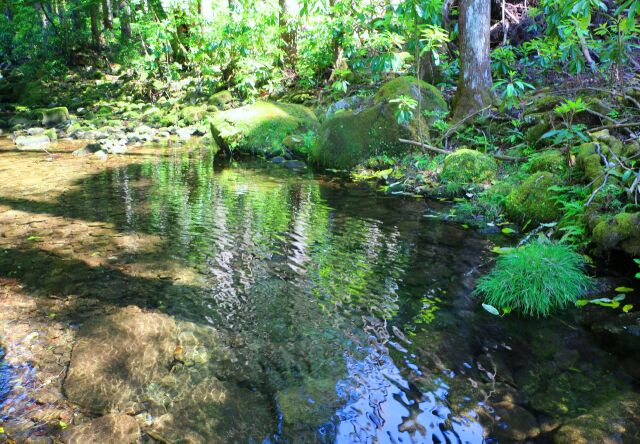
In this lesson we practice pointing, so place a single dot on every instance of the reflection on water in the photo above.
(348, 311)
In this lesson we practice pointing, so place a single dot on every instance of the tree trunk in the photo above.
(44, 24)
(288, 33)
(474, 84)
(107, 14)
(125, 20)
(96, 36)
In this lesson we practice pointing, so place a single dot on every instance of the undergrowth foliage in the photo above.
(535, 280)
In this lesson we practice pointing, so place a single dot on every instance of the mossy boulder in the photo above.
(54, 116)
(351, 137)
(621, 232)
(533, 201)
(468, 166)
(221, 99)
(262, 127)
(552, 161)
(193, 114)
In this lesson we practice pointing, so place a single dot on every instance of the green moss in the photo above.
(468, 166)
(51, 134)
(621, 232)
(588, 160)
(544, 103)
(533, 201)
(535, 132)
(431, 97)
(54, 116)
(193, 114)
(552, 161)
(348, 138)
(261, 127)
(221, 99)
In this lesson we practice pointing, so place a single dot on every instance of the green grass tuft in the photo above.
(535, 280)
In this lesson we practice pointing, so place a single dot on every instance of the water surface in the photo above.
(346, 312)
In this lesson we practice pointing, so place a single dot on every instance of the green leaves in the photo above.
(535, 280)
(406, 105)
(491, 309)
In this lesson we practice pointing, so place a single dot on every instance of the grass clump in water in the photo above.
(535, 280)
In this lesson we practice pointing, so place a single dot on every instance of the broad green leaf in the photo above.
(624, 290)
(508, 230)
(582, 302)
(491, 309)
(627, 308)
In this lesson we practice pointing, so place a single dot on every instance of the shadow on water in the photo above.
(344, 314)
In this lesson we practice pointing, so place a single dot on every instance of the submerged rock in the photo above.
(514, 423)
(616, 421)
(116, 357)
(350, 137)
(108, 429)
(54, 116)
(262, 127)
(214, 412)
(309, 405)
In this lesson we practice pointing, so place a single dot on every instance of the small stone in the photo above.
(108, 429)
(32, 142)
(278, 160)
(295, 164)
(35, 131)
(88, 149)
(101, 155)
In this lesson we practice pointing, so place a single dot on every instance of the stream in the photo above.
(299, 308)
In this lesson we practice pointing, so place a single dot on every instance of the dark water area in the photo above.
(346, 314)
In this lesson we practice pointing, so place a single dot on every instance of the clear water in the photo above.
(346, 312)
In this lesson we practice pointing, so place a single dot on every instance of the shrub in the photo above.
(535, 280)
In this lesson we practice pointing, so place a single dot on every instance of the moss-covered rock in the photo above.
(221, 99)
(621, 232)
(552, 161)
(533, 201)
(468, 166)
(262, 127)
(432, 99)
(54, 116)
(193, 114)
(589, 161)
(350, 137)
(51, 134)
